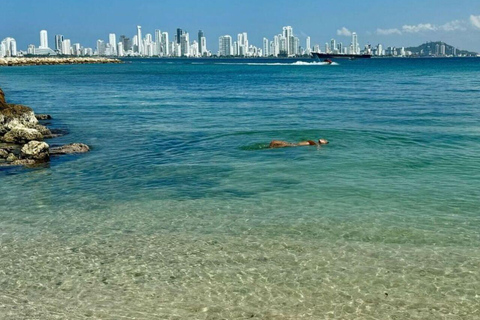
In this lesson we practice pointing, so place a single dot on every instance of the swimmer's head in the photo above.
(323, 141)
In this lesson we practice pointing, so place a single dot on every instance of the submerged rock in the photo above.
(73, 148)
(43, 117)
(36, 150)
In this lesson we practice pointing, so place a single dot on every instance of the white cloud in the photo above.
(422, 27)
(475, 21)
(387, 32)
(344, 32)
(454, 26)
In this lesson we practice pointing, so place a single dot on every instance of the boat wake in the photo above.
(297, 63)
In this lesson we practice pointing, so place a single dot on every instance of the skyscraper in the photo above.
(43, 39)
(225, 46)
(180, 32)
(203, 46)
(333, 45)
(101, 48)
(158, 42)
(58, 43)
(288, 35)
(355, 46)
(139, 40)
(185, 44)
(112, 40)
(66, 47)
(165, 44)
(308, 46)
(265, 47)
(200, 36)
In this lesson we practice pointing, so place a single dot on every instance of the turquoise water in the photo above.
(182, 212)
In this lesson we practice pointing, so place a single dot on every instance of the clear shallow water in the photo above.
(180, 212)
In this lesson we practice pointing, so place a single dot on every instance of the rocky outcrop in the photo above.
(21, 136)
(35, 61)
(36, 150)
(73, 148)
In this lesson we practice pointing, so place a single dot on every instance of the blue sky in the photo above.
(392, 23)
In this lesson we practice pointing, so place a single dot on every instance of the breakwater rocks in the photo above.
(22, 137)
(36, 61)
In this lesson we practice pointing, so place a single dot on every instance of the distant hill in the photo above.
(435, 49)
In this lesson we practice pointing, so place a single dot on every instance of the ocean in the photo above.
(181, 211)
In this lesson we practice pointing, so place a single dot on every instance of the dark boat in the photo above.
(323, 56)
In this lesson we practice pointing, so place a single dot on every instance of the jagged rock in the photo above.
(35, 150)
(72, 148)
(22, 135)
(14, 115)
(43, 117)
(3, 154)
(24, 162)
(42, 129)
(11, 157)
(2, 96)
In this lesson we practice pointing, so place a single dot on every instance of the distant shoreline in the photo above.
(38, 61)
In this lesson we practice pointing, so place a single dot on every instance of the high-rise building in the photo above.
(185, 44)
(203, 46)
(8, 47)
(126, 43)
(58, 42)
(265, 47)
(308, 46)
(225, 46)
(354, 46)
(43, 39)
(442, 49)
(180, 32)
(333, 46)
(139, 43)
(101, 48)
(379, 50)
(158, 42)
(120, 51)
(77, 49)
(200, 35)
(165, 45)
(288, 35)
(112, 41)
(66, 47)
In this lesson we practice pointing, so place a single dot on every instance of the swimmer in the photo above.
(284, 144)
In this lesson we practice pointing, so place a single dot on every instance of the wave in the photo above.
(297, 63)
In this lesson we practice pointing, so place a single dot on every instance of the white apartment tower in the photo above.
(265, 47)
(308, 46)
(112, 40)
(139, 40)
(355, 46)
(225, 46)
(43, 39)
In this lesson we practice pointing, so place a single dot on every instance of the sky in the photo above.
(392, 23)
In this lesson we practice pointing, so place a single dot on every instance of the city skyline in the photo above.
(284, 44)
(393, 24)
